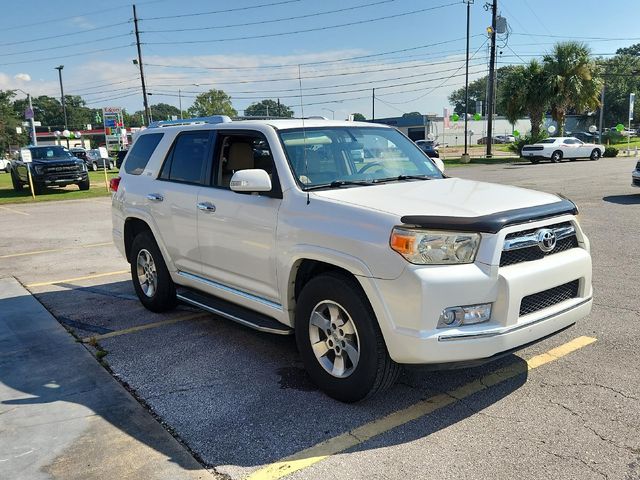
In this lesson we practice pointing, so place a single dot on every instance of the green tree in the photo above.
(9, 120)
(213, 102)
(572, 80)
(268, 108)
(477, 92)
(523, 92)
(164, 111)
(630, 50)
(358, 117)
(620, 74)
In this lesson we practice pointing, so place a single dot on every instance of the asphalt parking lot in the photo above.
(239, 400)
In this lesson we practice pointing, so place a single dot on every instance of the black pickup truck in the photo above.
(52, 166)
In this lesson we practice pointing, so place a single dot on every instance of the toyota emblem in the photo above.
(546, 240)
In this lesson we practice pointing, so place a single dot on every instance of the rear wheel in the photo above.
(110, 165)
(595, 155)
(556, 156)
(94, 166)
(339, 339)
(151, 279)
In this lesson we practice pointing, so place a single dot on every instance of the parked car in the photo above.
(96, 162)
(370, 260)
(556, 149)
(506, 138)
(496, 140)
(5, 165)
(635, 176)
(429, 147)
(585, 136)
(52, 166)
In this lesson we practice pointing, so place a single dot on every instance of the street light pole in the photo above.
(180, 102)
(466, 85)
(34, 140)
(64, 106)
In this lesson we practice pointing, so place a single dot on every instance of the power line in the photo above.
(57, 47)
(276, 20)
(45, 59)
(88, 30)
(314, 29)
(249, 7)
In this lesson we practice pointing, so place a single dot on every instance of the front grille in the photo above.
(528, 149)
(511, 257)
(62, 169)
(553, 296)
(636, 182)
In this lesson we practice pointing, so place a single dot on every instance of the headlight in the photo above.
(426, 247)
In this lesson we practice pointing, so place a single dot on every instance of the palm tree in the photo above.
(523, 92)
(571, 80)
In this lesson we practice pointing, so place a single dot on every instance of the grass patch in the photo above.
(455, 162)
(71, 192)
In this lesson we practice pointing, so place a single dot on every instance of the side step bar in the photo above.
(233, 312)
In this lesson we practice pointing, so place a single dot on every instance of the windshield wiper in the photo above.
(340, 183)
(403, 177)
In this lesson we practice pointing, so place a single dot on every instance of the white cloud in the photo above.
(82, 22)
(25, 77)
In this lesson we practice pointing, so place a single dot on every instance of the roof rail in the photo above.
(191, 121)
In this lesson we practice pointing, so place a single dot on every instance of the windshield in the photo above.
(326, 155)
(46, 153)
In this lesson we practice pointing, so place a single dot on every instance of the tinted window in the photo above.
(187, 160)
(141, 153)
(548, 140)
(46, 153)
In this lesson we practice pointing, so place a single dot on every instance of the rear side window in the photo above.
(141, 152)
(187, 160)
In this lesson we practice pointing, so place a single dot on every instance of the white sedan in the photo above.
(5, 165)
(558, 148)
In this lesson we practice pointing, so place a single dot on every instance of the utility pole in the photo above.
(144, 87)
(492, 76)
(64, 106)
(180, 102)
(466, 88)
(373, 106)
(601, 114)
(34, 140)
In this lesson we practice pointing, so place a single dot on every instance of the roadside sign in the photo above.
(103, 152)
(112, 110)
(28, 113)
(25, 154)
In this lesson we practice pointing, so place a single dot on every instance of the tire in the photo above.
(595, 155)
(94, 166)
(556, 157)
(17, 185)
(38, 188)
(373, 371)
(85, 184)
(151, 279)
(110, 165)
(535, 161)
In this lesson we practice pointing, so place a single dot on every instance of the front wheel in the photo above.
(339, 339)
(17, 185)
(110, 165)
(94, 166)
(85, 184)
(595, 155)
(151, 279)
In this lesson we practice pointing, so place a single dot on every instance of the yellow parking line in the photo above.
(332, 446)
(193, 316)
(12, 210)
(37, 252)
(76, 279)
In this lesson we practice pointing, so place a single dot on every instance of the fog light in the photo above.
(469, 315)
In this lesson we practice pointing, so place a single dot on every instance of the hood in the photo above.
(57, 161)
(449, 197)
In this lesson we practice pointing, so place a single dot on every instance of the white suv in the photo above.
(349, 236)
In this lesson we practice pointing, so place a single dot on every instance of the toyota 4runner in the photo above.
(347, 235)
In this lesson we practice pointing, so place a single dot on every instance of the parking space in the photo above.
(568, 407)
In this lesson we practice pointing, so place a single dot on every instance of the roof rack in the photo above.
(191, 121)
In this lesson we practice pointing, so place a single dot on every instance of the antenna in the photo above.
(304, 135)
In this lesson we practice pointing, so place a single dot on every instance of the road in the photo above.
(240, 400)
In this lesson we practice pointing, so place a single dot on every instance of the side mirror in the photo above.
(439, 163)
(251, 180)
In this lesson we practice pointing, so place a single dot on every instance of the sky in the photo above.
(336, 51)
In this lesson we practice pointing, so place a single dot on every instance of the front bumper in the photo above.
(635, 178)
(414, 302)
(62, 179)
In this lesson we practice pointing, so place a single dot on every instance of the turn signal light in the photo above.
(114, 183)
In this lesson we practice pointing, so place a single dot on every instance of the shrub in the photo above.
(610, 152)
(520, 142)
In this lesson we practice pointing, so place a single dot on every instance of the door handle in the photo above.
(206, 207)
(155, 197)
